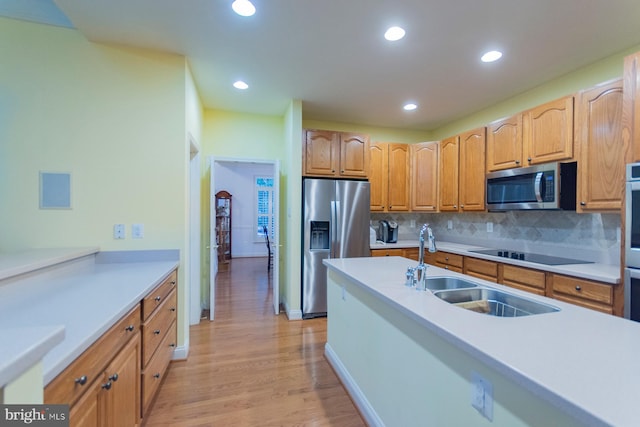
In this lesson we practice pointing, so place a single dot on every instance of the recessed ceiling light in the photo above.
(491, 56)
(410, 107)
(394, 33)
(243, 7)
(241, 85)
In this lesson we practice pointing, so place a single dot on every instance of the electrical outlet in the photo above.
(412, 223)
(137, 231)
(489, 227)
(118, 231)
(482, 395)
(449, 225)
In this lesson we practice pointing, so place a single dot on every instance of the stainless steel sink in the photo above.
(442, 283)
(494, 302)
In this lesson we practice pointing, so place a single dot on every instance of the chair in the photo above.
(266, 236)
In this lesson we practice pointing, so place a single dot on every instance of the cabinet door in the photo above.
(424, 176)
(449, 174)
(354, 155)
(321, 153)
(631, 105)
(121, 401)
(84, 413)
(504, 144)
(472, 167)
(548, 131)
(601, 151)
(398, 186)
(378, 173)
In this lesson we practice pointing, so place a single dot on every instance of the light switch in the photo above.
(137, 231)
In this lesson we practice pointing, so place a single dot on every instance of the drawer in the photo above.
(450, 259)
(604, 308)
(481, 268)
(80, 374)
(387, 252)
(158, 295)
(412, 253)
(523, 278)
(153, 374)
(154, 330)
(581, 288)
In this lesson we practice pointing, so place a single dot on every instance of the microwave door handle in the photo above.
(538, 187)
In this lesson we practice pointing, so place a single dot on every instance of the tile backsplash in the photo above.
(592, 237)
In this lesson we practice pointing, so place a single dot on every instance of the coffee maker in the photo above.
(387, 231)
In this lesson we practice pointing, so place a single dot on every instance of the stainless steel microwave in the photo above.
(546, 186)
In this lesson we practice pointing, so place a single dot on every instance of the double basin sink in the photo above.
(472, 296)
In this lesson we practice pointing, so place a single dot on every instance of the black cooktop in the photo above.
(525, 256)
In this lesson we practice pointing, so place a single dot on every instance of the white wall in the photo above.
(238, 179)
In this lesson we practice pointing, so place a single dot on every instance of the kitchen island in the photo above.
(409, 358)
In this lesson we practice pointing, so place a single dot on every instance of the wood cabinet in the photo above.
(631, 105)
(335, 154)
(449, 174)
(449, 261)
(102, 386)
(411, 253)
(586, 293)
(389, 177)
(525, 279)
(472, 184)
(600, 149)
(480, 268)
(424, 176)
(548, 131)
(159, 310)
(504, 143)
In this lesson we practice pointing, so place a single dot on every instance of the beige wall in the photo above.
(112, 117)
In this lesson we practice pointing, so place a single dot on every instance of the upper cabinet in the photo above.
(631, 105)
(600, 149)
(449, 174)
(335, 154)
(472, 176)
(462, 172)
(424, 176)
(548, 131)
(389, 177)
(504, 144)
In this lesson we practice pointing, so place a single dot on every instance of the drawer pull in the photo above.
(172, 309)
(129, 328)
(173, 282)
(157, 332)
(107, 385)
(158, 299)
(82, 380)
(156, 376)
(172, 344)
(578, 288)
(114, 377)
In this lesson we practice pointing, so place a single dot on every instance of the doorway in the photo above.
(243, 178)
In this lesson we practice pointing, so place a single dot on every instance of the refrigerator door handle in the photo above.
(332, 228)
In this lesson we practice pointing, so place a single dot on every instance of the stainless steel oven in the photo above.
(632, 243)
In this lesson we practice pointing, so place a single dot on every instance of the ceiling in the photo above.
(331, 54)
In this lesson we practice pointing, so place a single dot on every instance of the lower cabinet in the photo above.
(482, 269)
(525, 279)
(411, 253)
(586, 293)
(449, 261)
(113, 383)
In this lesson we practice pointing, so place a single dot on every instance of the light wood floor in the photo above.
(251, 368)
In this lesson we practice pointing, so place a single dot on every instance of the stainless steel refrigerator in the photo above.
(335, 224)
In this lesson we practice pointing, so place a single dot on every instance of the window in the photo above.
(264, 206)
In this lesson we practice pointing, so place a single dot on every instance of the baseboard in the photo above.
(366, 410)
(291, 314)
(181, 352)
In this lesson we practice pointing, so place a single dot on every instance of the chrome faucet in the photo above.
(421, 280)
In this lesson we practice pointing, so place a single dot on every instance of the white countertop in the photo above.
(580, 360)
(81, 301)
(16, 263)
(596, 271)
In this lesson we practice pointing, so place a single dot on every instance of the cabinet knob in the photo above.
(157, 332)
(173, 282)
(82, 380)
(107, 385)
(578, 288)
(341, 171)
(583, 203)
(129, 328)
(517, 162)
(455, 206)
(114, 377)
(333, 171)
(158, 298)
(529, 159)
(172, 309)
(462, 206)
(172, 344)
(156, 375)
